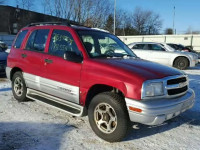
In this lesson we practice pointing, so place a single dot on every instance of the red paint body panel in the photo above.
(62, 71)
(127, 75)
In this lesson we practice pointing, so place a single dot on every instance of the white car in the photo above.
(164, 54)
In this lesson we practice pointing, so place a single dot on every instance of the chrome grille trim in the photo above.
(176, 86)
(169, 87)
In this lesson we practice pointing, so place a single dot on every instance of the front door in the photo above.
(156, 53)
(140, 51)
(62, 77)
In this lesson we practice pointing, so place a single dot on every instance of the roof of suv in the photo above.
(66, 24)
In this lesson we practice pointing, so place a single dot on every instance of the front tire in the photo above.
(108, 116)
(19, 87)
(181, 63)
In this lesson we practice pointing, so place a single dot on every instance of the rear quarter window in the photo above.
(20, 38)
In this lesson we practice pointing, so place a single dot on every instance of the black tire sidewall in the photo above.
(23, 96)
(178, 61)
(118, 105)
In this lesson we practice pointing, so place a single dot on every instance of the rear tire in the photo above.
(181, 63)
(19, 87)
(108, 116)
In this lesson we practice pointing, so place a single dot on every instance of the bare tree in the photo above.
(146, 22)
(138, 20)
(25, 4)
(48, 7)
(91, 13)
(169, 31)
(68, 12)
(59, 8)
(153, 23)
(122, 21)
(99, 13)
(109, 23)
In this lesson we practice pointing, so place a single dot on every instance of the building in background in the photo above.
(13, 19)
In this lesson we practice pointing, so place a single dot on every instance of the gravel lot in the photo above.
(36, 126)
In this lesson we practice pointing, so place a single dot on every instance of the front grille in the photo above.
(177, 86)
(176, 81)
(177, 91)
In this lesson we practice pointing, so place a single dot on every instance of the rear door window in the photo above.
(20, 38)
(37, 40)
(138, 46)
(155, 47)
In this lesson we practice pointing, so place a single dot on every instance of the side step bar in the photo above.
(69, 107)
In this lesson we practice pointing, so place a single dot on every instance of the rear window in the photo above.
(37, 40)
(20, 38)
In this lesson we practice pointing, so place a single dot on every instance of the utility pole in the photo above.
(174, 20)
(114, 16)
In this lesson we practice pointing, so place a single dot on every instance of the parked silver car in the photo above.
(164, 54)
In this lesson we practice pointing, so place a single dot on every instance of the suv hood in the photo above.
(139, 68)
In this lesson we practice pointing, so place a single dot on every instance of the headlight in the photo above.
(193, 56)
(151, 89)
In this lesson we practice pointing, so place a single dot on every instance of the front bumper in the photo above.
(194, 62)
(157, 111)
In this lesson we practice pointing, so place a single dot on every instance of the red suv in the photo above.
(77, 69)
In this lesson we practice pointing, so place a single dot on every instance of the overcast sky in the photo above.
(187, 11)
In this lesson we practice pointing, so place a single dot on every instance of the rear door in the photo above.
(62, 77)
(16, 52)
(140, 51)
(32, 55)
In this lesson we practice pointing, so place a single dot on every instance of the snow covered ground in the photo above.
(34, 126)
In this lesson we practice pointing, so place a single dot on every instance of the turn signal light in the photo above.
(135, 109)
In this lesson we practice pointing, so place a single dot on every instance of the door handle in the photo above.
(48, 61)
(24, 55)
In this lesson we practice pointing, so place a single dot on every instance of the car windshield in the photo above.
(169, 47)
(173, 46)
(102, 44)
(181, 46)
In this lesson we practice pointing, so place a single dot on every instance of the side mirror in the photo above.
(72, 56)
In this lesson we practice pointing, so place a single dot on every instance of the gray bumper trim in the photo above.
(157, 111)
(8, 70)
